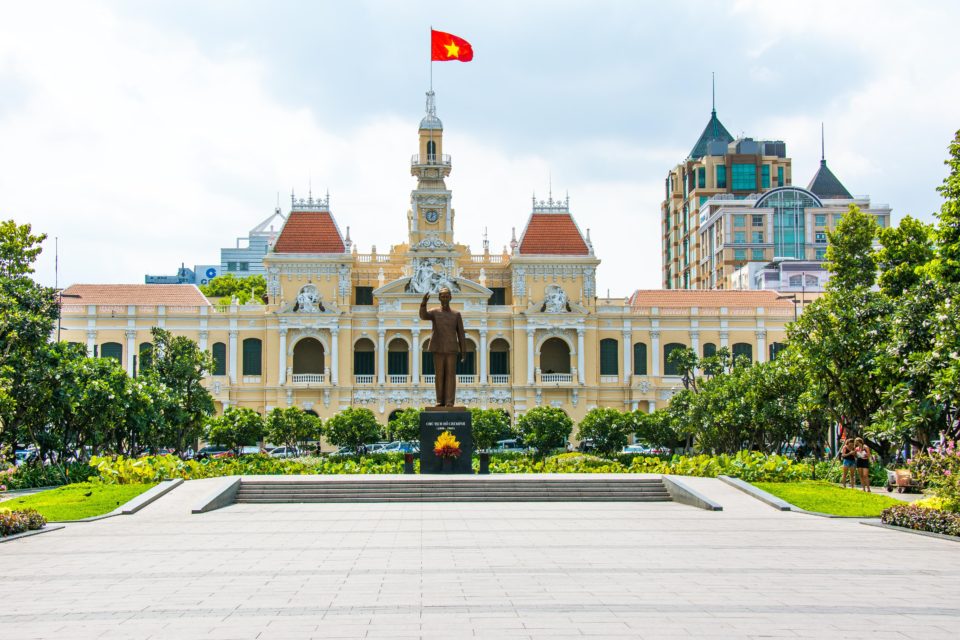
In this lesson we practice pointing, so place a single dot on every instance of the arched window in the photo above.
(431, 150)
(775, 349)
(669, 368)
(608, 357)
(252, 357)
(554, 356)
(363, 360)
(742, 350)
(640, 359)
(308, 356)
(146, 356)
(112, 350)
(397, 358)
(709, 350)
(219, 359)
(499, 357)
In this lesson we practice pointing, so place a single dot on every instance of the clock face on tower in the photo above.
(431, 215)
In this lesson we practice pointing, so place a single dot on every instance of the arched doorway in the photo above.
(500, 361)
(554, 357)
(398, 361)
(308, 360)
(364, 367)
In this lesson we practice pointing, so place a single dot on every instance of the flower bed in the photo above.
(922, 519)
(31, 476)
(14, 522)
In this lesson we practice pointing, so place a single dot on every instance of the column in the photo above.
(415, 355)
(233, 356)
(334, 355)
(530, 356)
(761, 345)
(581, 356)
(381, 356)
(483, 357)
(695, 342)
(131, 349)
(627, 354)
(655, 353)
(282, 357)
(724, 339)
(204, 336)
(651, 406)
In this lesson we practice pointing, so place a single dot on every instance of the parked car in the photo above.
(284, 452)
(401, 447)
(25, 456)
(208, 452)
(345, 451)
(376, 447)
(510, 445)
(635, 448)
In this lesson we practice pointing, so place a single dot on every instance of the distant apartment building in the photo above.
(199, 275)
(731, 218)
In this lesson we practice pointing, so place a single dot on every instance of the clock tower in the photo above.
(430, 220)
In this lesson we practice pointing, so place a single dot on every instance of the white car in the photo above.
(284, 452)
(635, 448)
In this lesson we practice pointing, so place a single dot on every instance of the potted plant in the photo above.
(447, 448)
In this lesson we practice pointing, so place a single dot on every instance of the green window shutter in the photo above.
(427, 363)
(397, 363)
(499, 363)
(721, 177)
(742, 350)
(219, 359)
(608, 357)
(669, 368)
(252, 357)
(640, 359)
(775, 349)
(146, 356)
(467, 367)
(112, 350)
(363, 363)
(765, 176)
(709, 350)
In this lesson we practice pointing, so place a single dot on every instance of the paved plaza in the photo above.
(493, 570)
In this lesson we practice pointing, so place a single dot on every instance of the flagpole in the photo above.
(431, 57)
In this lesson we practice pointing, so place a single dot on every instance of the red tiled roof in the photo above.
(309, 232)
(178, 295)
(703, 298)
(553, 234)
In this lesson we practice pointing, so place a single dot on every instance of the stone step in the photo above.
(464, 483)
(315, 495)
(487, 498)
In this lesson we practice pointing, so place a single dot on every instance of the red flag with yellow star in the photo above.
(445, 47)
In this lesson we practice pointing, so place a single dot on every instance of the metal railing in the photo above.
(430, 158)
(308, 377)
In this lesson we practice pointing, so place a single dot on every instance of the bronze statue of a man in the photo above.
(447, 341)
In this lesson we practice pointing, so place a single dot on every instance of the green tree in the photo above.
(653, 429)
(947, 262)
(545, 428)
(250, 289)
(179, 365)
(353, 427)
(608, 428)
(237, 427)
(292, 427)
(405, 426)
(905, 251)
(850, 256)
(489, 426)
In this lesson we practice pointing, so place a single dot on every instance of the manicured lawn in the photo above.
(828, 498)
(76, 501)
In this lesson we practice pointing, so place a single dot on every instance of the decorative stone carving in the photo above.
(343, 280)
(644, 386)
(398, 396)
(429, 397)
(390, 305)
(432, 241)
(364, 396)
(555, 300)
(589, 282)
(429, 276)
(500, 396)
(467, 396)
(308, 300)
(519, 281)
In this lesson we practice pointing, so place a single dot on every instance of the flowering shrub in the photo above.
(447, 446)
(939, 469)
(29, 476)
(13, 522)
(4, 477)
(921, 519)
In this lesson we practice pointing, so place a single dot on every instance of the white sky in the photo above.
(148, 134)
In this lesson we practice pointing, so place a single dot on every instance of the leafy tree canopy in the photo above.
(850, 255)
(353, 427)
(545, 428)
(489, 426)
(247, 290)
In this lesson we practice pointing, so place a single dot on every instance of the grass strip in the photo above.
(824, 497)
(77, 501)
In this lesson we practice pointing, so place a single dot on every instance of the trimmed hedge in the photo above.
(922, 519)
(13, 522)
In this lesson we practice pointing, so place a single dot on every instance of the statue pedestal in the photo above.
(433, 422)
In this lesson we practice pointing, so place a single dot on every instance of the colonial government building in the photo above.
(340, 328)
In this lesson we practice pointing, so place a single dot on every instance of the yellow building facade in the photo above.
(340, 328)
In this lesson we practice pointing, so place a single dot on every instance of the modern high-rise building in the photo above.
(731, 218)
